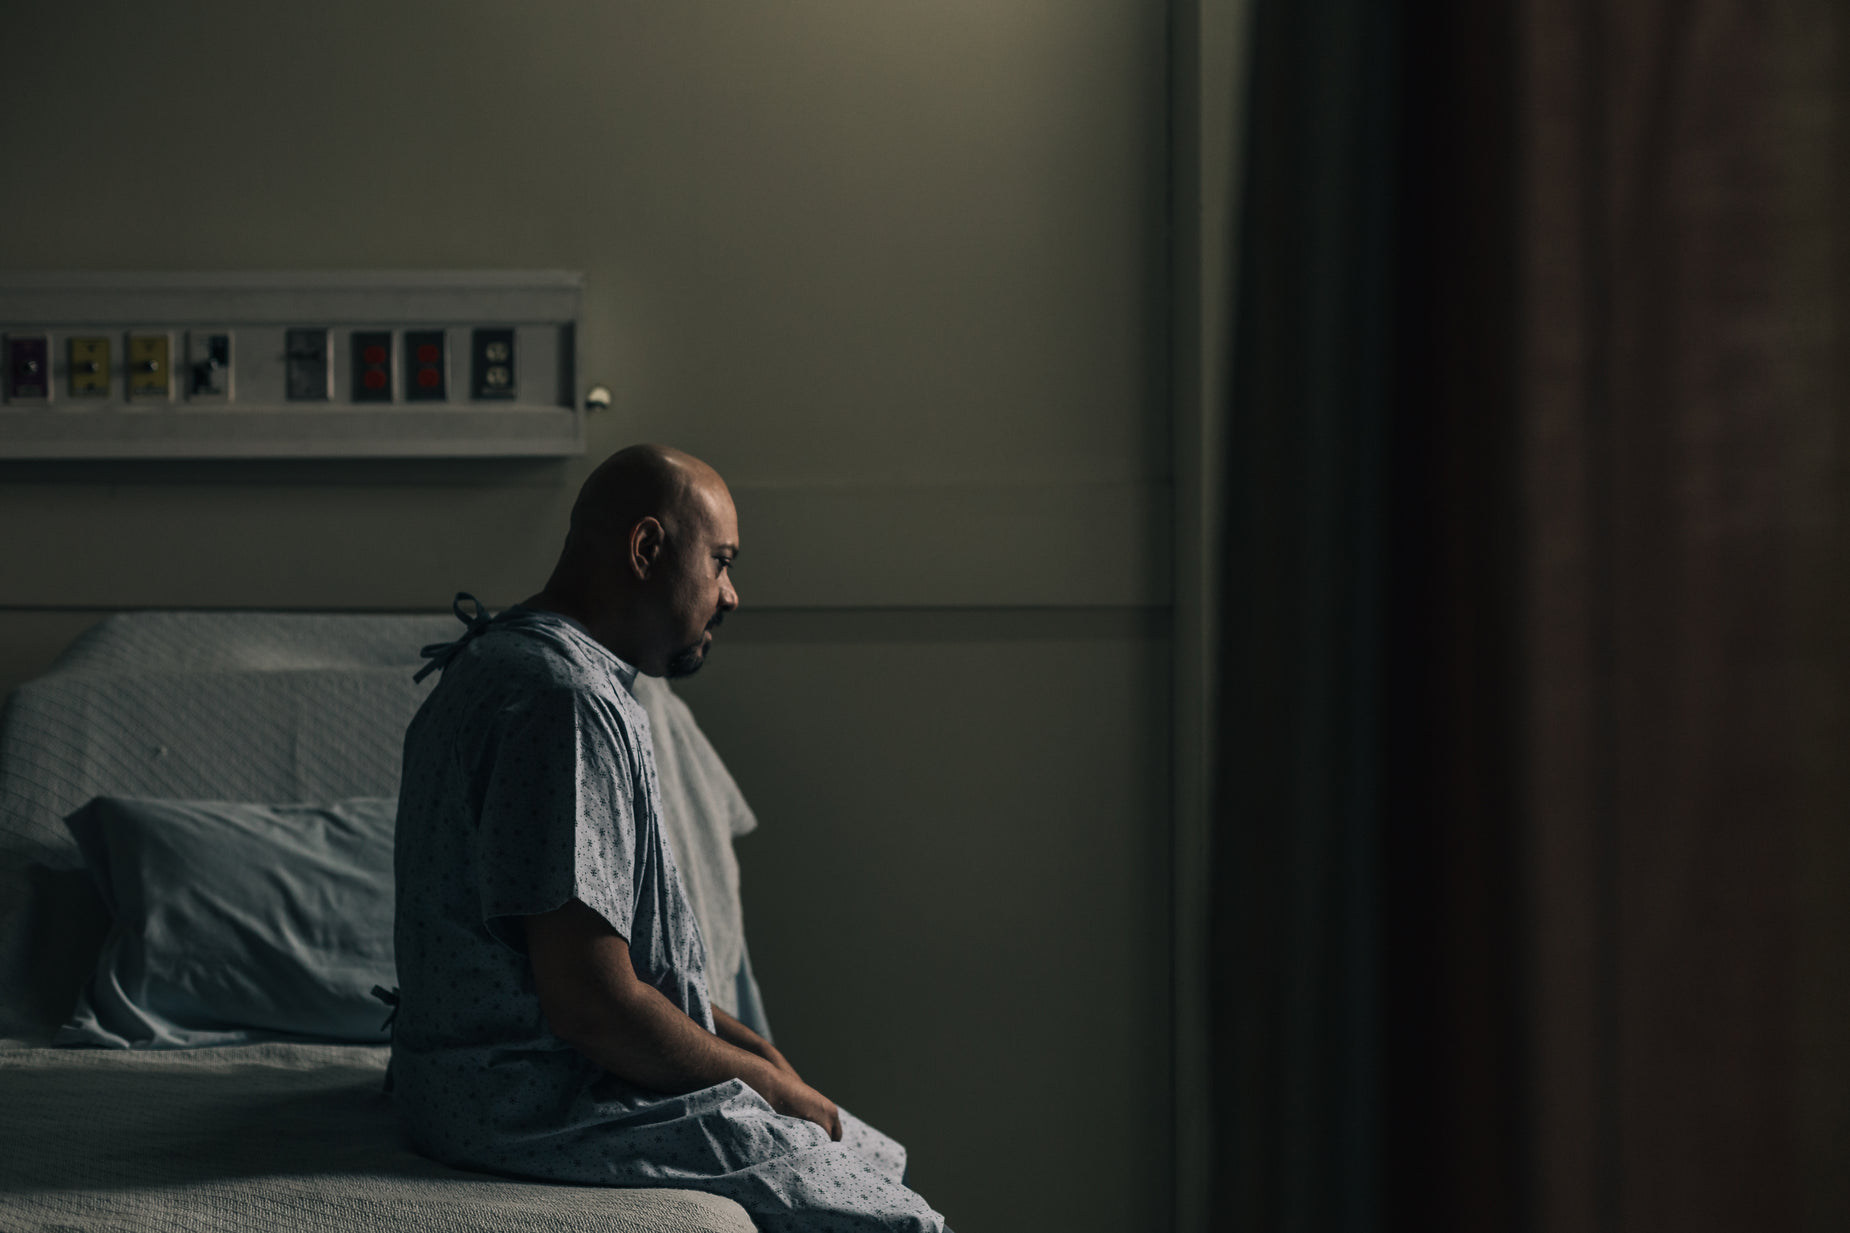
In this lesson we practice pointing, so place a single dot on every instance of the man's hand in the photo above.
(796, 1098)
(594, 1001)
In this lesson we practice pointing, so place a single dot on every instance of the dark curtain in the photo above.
(1532, 851)
(1296, 991)
(1682, 649)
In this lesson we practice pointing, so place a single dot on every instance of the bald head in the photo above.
(646, 562)
(643, 481)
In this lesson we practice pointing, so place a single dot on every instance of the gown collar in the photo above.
(476, 621)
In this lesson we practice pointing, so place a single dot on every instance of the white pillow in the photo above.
(236, 922)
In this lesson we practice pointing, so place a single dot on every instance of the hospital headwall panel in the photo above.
(897, 270)
(396, 364)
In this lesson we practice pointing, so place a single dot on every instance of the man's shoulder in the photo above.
(533, 668)
(529, 658)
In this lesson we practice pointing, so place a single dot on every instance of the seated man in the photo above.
(553, 1020)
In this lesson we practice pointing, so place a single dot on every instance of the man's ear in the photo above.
(646, 539)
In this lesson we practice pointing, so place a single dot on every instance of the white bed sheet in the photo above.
(259, 1138)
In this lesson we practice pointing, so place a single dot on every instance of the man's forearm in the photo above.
(737, 1034)
(594, 1002)
(647, 1040)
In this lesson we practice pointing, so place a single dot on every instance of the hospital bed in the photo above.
(276, 1132)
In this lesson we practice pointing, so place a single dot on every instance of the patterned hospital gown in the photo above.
(529, 779)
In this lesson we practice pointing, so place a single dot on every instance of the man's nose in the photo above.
(728, 596)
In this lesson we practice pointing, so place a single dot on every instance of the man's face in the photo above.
(698, 577)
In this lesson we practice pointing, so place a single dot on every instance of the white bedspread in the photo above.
(266, 1137)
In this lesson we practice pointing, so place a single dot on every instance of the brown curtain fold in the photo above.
(1680, 611)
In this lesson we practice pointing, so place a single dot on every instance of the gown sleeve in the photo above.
(558, 819)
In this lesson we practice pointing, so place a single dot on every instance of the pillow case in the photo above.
(236, 922)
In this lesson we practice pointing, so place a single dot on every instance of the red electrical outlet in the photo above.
(372, 365)
(427, 375)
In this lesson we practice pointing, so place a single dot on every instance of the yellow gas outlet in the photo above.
(87, 362)
(150, 366)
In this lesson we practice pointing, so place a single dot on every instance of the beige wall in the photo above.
(896, 269)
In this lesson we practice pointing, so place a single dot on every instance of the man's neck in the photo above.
(604, 622)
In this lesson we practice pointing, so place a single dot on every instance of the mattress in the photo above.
(265, 1137)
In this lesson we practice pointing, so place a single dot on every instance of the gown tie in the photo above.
(441, 653)
(390, 998)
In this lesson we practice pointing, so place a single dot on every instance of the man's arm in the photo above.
(595, 1002)
(735, 1033)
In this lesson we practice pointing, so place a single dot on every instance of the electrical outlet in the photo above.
(86, 363)
(427, 376)
(150, 366)
(208, 365)
(28, 368)
(492, 364)
(372, 365)
(310, 365)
